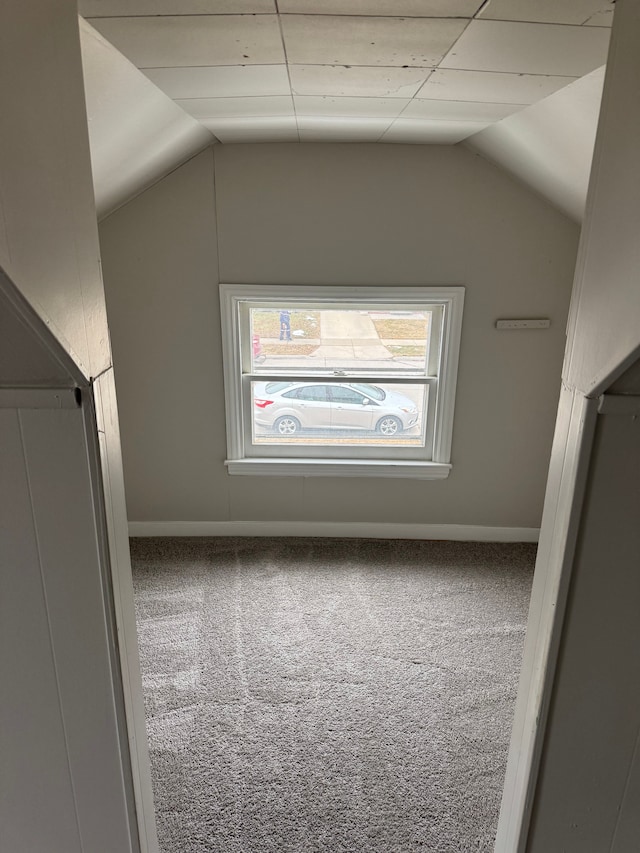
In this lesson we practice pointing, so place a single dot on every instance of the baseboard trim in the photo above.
(335, 529)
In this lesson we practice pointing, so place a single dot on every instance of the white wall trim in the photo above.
(568, 471)
(347, 529)
(108, 438)
(339, 468)
(236, 358)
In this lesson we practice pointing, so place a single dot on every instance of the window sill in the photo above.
(338, 468)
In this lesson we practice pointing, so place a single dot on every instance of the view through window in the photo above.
(368, 346)
(329, 373)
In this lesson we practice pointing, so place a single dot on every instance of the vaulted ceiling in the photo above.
(391, 71)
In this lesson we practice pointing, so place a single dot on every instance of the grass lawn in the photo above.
(396, 329)
(285, 348)
(397, 349)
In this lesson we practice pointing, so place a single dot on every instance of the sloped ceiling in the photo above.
(137, 134)
(549, 146)
(165, 78)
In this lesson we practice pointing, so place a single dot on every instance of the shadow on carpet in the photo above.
(329, 695)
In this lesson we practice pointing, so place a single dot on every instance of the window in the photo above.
(331, 381)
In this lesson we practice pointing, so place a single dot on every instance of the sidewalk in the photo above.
(347, 339)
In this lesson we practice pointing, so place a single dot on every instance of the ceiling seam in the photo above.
(341, 65)
(286, 64)
(279, 14)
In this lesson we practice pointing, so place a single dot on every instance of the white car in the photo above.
(288, 407)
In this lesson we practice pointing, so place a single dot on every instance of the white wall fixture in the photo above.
(523, 324)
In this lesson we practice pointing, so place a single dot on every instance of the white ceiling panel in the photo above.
(195, 40)
(208, 108)
(341, 129)
(544, 11)
(459, 110)
(356, 107)
(358, 81)
(493, 87)
(221, 81)
(428, 132)
(398, 8)
(529, 48)
(230, 130)
(414, 70)
(123, 8)
(601, 19)
(343, 40)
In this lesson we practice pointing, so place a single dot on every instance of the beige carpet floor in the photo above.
(344, 696)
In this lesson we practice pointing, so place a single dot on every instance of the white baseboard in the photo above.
(335, 529)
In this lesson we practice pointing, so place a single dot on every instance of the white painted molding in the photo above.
(236, 357)
(111, 473)
(570, 458)
(337, 529)
(338, 468)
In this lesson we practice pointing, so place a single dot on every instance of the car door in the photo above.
(311, 405)
(350, 409)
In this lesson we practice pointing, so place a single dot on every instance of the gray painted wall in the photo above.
(29, 357)
(48, 232)
(67, 776)
(335, 214)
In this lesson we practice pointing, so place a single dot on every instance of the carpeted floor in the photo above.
(344, 696)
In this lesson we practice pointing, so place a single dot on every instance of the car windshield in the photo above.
(275, 387)
(370, 390)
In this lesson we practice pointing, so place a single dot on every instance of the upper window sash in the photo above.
(434, 318)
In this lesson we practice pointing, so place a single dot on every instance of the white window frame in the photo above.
(237, 408)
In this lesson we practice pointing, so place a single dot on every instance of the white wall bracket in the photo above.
(523, 324)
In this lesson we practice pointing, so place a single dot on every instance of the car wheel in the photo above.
(389, 426)
(287, 425)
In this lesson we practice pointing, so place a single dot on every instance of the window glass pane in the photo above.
(277, 386)
(308, 392)
(339, 413)
(373, 391)
(347, 394)
(296, 340)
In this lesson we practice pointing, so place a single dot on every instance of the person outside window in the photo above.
(285, 325)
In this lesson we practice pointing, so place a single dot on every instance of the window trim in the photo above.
(231, 297)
